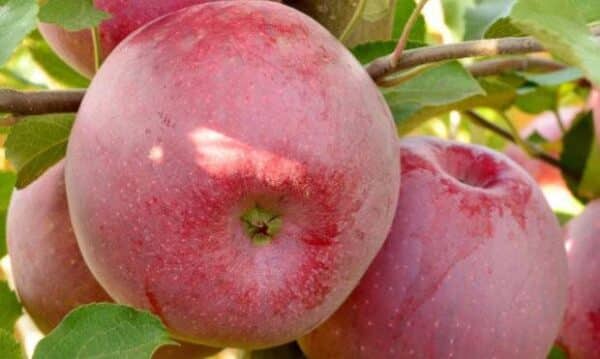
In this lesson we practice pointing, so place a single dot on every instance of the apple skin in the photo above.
(75, 47)
(580, 335)
(49, 272)
(474, 266)
(183, 133)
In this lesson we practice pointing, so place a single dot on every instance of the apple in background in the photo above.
(474, 266)
(235, 178)
(580, 335)
(76, 48)
(49, 272)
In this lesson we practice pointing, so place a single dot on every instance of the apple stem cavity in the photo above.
(261, 225)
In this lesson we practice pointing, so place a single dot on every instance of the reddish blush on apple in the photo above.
(243, 177)
(474, 266)
(50, 275)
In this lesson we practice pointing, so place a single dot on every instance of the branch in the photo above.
(382, 67)
(412, 20)
(39, 102)
(499, 66)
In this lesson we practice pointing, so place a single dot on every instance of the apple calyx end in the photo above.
(261, 225)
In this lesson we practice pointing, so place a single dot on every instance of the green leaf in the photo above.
(288, 351)
(497, 95)
(554, 78)
(36, 143)
(438, 86)
(369, 51)
(589, 8)
(562, 30)
(454, 15)
(17, 19)
(485, 13)
(11, 308)
(375, 9)
(579, 158)
(72, 15)
(401, 15)
(502, 28)
(104, 331)
(7, 183)
(557, 353)
(534, 99)
(563, 218)
(9, 348)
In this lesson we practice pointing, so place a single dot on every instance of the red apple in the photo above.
(50, 274)
(474, 266)
(126, 16)
(580, 334)
(234, 170)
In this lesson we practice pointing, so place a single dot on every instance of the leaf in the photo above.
(402, 13)
(104, 331)
(375, 9)
(454, 15)
(7, 183)
(537, 99)
(563, 218)
(480, 17)
(554, 78)
(36, 143)
(9, 348)
(437, 86)
(17, 19)
(287, 351)
(562, 30)
(369, 51)
(589, 8)
(502, 28)
(72, 15)
(580, 158)
(557, 353)
(11, 308)
(497, 95)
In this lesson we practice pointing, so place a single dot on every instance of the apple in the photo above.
(473, 267)
(76, 48)
(580, 335)
(49, 272)
(234, 170)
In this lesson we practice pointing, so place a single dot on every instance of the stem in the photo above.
(97, 49)
(360, 8)
(403, 77)
(559, 120)
(516, 135)
(410, 23)
(39, 102)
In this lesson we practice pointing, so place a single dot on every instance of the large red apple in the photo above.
(126, 16)
(580, 334)
(49, 272)
(474, 266)
(235, 170)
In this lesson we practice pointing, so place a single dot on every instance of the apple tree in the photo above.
(259, 121)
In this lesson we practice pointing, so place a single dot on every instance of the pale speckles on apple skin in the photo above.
(292, 123)
(452, 281)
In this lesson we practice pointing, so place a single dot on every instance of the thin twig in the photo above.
(410, 23)
(360, 8)
(39, 102)
(536, 152)
(559, 121)
(499, 66)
